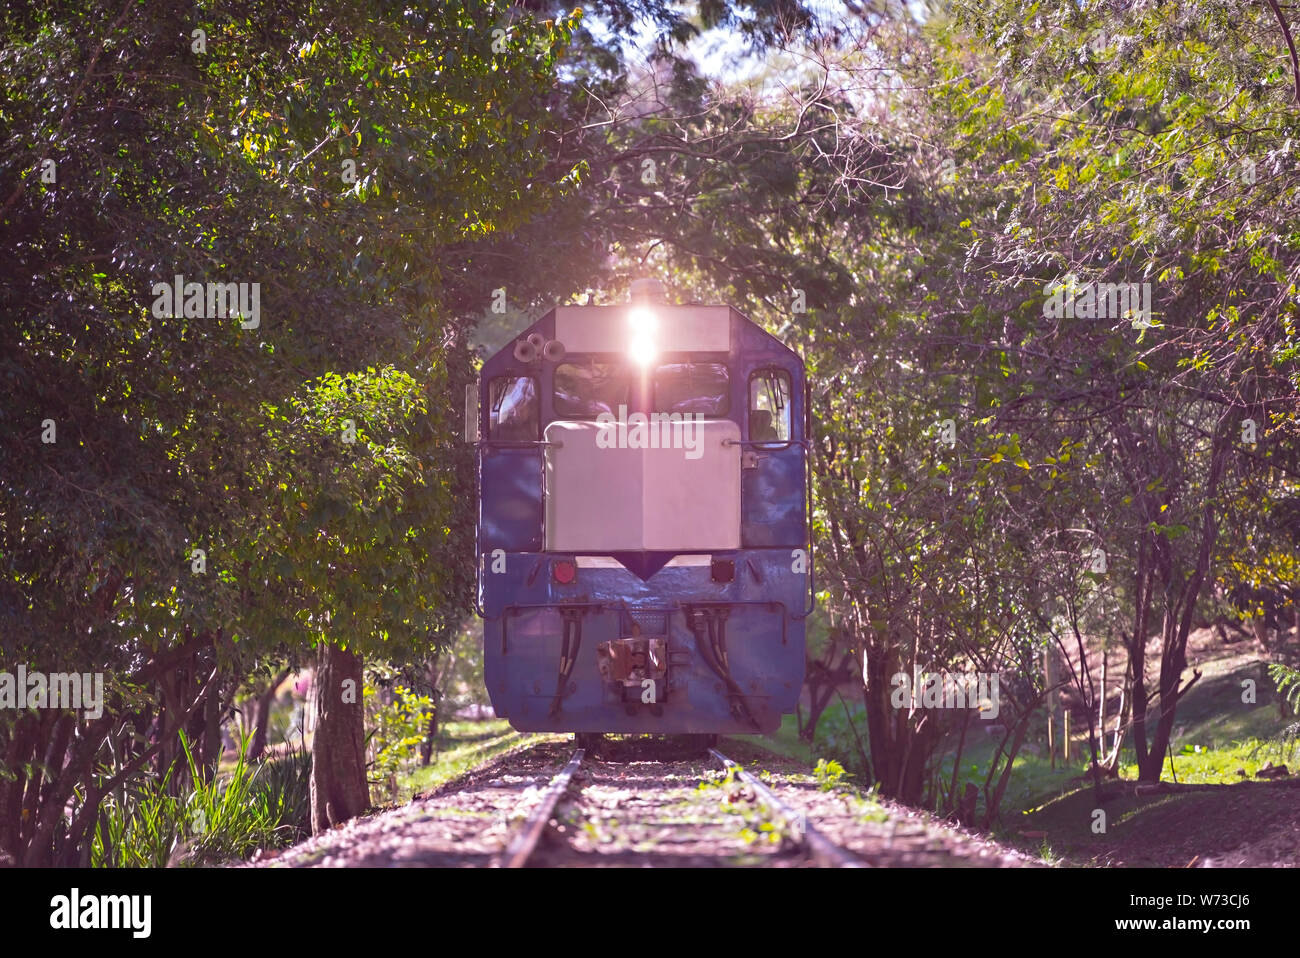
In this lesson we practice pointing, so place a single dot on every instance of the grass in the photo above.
(1213, 713)
(1218, 765)
(241, 809)
(1215, 734)
(785, 742)
(1156, 829)
(1216, 737)
(1032, 776)
(460, 748)
(248, 806)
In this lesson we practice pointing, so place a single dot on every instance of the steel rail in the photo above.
(524, 842)
(820, 848)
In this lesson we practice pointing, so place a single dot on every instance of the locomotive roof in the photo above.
(692, 327)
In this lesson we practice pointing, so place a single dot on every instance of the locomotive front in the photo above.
(643, 542)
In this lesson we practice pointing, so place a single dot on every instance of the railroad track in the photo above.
(665, 832)
(637, 806)
(525, 839)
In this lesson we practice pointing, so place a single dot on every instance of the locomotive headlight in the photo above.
(642, 320)
(641, 346)
(642, 350)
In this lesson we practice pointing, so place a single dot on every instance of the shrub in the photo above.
(228, 817)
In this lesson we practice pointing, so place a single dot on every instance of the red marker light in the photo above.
(565, 571)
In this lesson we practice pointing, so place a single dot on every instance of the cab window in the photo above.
(585, 390)
(514, 408)
(692, 388)
(769, 406)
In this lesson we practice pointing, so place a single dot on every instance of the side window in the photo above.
(692, 388)
(514, 408)
(769, 406)
(585, 390)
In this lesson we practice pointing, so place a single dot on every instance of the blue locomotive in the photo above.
(644, 550)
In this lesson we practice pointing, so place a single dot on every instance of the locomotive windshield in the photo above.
(692, 388)
(585, 390)
(514, 408)
(769, 406)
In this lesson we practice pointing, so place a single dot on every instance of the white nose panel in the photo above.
(606, 493)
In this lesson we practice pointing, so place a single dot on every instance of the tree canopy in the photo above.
(1040, 260)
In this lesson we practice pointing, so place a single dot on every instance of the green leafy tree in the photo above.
(331, 155)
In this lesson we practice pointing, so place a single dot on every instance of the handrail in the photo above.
(808, 520)
(517, 443)
(478, 532)
(768, 443)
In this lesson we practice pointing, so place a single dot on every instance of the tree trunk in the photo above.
(435, 695)
(902, 739)
(1137, 650)
(993, 799)
(1101, 701)
(955, 804)
(880, 719)
(338, 762)
(1121, 723)
(212, 734)
(1055, 710)
(1178, 619)
(263, 704)
(819, 697)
